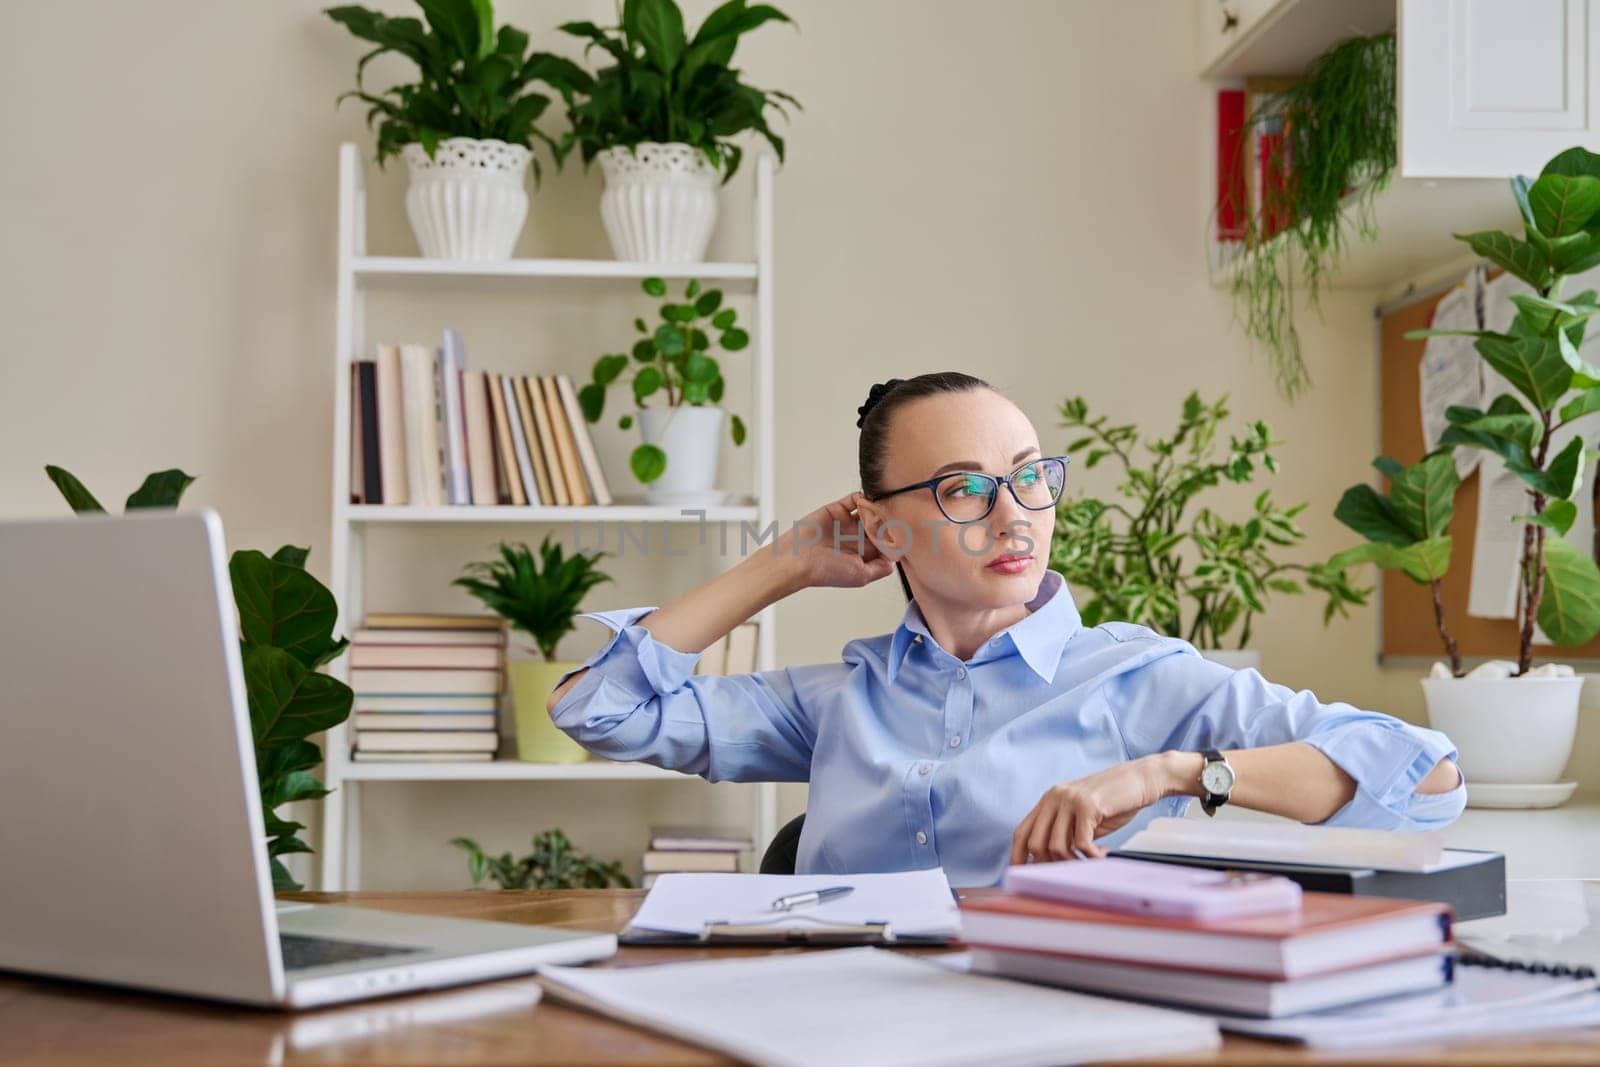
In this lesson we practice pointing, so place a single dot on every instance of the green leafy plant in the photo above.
(1559, 586)
(666, 86)
(539, 597)
(1337, 152)
(1143, 560)
(674, 360)
(474, 81)
(1407, 529)
(553, 864)
(286, 620)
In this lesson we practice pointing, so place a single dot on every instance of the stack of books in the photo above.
(693, 848)
(1332, 951)
(425, 431)
(427, 687)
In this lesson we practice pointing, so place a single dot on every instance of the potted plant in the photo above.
(286, 620)
(673, 361)
(1142, 560)
(1558, 585)
(553, 864)
(540, 598)
(466, 127)
(660, 120)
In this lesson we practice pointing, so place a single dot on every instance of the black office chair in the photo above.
(780, 855)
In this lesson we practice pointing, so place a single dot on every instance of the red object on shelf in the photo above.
(1232, 199)
(1273, 182)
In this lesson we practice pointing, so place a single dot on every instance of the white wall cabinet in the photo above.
(1494, 88)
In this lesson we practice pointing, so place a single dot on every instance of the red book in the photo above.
(1274, 183)
(1232, 198)
(1331, 931)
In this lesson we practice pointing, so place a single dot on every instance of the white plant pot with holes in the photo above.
(1237, 658)
(660, 202)
(690, 435)
(470, 200)
(1513, 736)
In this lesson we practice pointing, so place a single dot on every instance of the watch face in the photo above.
(1217, 778)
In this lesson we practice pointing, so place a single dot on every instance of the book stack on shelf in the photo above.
(693, 848)
(427, 687)
(732, 653)
(427, 432)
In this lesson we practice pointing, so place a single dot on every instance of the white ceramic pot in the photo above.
(1237, 658)
(470, 200)
(660, 202)
(1506, 730)
(690, 435)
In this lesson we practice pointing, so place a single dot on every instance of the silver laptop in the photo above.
(131, 849)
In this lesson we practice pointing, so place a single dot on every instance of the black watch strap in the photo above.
(1212, 801)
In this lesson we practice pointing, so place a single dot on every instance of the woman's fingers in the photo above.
(1083, 838)
(1060, 841)
(1019, 837)
(1039, 836)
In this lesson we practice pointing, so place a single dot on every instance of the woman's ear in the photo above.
(871, 519)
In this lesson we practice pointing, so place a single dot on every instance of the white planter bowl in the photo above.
(660, 202)
(469, 201)
(1237, 658)
(690, 436)
(1506, 730)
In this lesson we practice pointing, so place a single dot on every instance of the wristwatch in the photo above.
(1216, 778)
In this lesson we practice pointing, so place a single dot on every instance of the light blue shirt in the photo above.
(918, 759)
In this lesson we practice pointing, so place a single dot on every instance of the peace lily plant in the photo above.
(1513, 723)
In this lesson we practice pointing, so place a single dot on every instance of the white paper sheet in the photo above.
(914, 903)
(1450, 372)
(873, 1006)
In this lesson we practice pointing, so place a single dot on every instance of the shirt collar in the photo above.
(1038, 637)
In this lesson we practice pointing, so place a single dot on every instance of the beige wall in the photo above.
(1016, 190)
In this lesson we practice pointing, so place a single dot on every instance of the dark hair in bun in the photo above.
(875, 417)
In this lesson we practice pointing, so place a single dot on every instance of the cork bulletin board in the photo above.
(1407, 607)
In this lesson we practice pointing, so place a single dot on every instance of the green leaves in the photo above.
(79, 499)
(1521, 258)
(282, 606)
(539, 596)
(1569, 610)
(1563, 204)
(1532, 364)
(553, 864)
(648, 462)
(1406, 530)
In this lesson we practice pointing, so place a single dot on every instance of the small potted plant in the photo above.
(660, 120)
(1142, 560)
(466, 127)
(553, 864)
(672, 362)
(540, 598)
(1516, 727)
(286, 620)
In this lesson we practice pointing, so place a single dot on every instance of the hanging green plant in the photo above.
(1336, 151)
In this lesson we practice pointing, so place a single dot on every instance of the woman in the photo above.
(991, 727)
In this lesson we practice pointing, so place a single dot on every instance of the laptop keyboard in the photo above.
(300, 951)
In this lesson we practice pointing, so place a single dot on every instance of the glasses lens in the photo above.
(965, 497)
(1039, 483)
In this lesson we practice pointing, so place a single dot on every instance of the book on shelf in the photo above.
(371, 471)
(1232, 197)
(425, 720)
(591, 462)
(391, 427)
(481, 657)
(507, 466)
(438, 681)
(368, 756)
(566, 442)
(425, 704)
(358, 485)
(375, 635)
(452, 361)
(427, 741)
(406, 620)
(423, 469)
(539, 465)
(660, 862)
(480, 437)
(698, 839)
(559, 490)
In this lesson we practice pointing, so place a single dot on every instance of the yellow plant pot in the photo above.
(538, 739)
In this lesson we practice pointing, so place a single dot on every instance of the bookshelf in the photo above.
(340, 849)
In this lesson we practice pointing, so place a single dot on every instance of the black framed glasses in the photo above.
(967, 496)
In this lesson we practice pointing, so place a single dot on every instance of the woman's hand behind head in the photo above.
(829, 547)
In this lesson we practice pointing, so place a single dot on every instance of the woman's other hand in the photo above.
(1072, 814)
(829, 547)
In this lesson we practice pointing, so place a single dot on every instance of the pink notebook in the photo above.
(1143, 887)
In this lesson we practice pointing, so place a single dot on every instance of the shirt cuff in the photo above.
(632, 659)
(1388, 765)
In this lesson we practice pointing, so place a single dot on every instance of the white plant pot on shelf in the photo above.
(470, 200)
(1237, 658)
(660, 202)
(690, 436)
(1513, 736)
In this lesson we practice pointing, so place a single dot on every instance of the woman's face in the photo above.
(981, 431)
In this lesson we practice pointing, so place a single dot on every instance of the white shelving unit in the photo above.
(359, 272)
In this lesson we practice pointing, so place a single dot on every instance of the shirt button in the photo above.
(922, 838)
(961, 672)
(923, 770)
(955, 741)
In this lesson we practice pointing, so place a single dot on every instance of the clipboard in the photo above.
(722, 932)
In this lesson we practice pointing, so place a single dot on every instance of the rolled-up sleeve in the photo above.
(1180, 700)
(640, 700)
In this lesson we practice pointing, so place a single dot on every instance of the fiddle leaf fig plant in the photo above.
(473, 81)
(539, 597)
(1538, 355)
(672, 360)
(1143, 558)
(554, 863)
(286, 621)
(667, 86)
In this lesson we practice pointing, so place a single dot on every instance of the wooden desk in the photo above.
(48, 1022)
